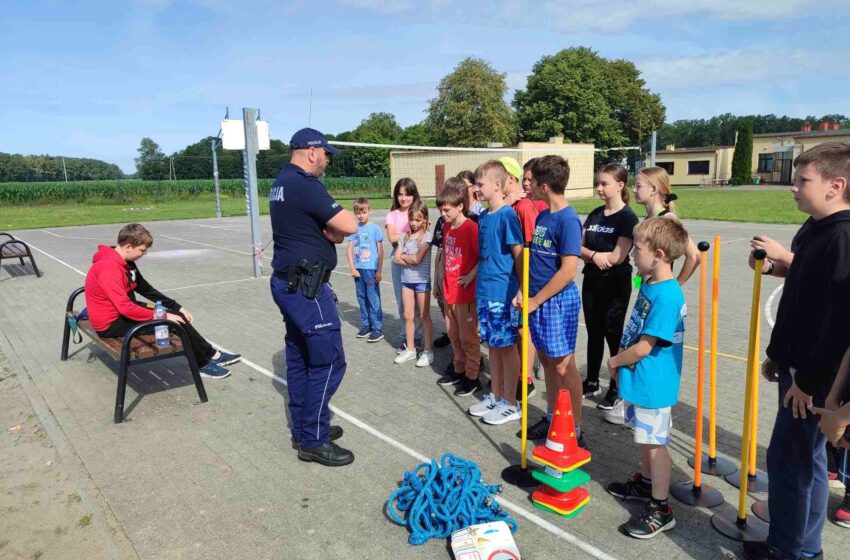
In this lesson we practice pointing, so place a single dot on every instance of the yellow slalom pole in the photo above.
(755, 404)
(712, 368)
(524, 366)
(752, 373)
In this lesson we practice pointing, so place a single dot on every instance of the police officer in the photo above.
(306, 223)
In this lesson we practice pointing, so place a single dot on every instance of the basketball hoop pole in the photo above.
(213, 144)
(249, 119)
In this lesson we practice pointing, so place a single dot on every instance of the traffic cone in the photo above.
(561, 451)
(561, 481)
(565, 504)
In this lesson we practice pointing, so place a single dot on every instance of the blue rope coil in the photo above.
(440, 498)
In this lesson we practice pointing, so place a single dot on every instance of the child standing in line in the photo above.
(405, 194)
(554, 302)
(648, 368)
(460, 247)
(414, 256)
(500, 245)
(365, 261)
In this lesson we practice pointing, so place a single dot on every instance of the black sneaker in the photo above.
(450, 376)
(375, 336)
(634, 489)
(364, 332)
(540, 430)
(581, 443)
(590, 388)
(610, 400)
(467, 386)
(532, 390)
(760, 550)
(442, 341)
(652, 521)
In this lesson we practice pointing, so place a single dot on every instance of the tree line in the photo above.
(30, 168)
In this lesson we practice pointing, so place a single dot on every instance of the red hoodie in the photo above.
(108, 288)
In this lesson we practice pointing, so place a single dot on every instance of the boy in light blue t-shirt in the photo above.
(648, 369)
(365, 261)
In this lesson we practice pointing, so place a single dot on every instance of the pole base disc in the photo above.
(715, 467)
(755, 484)
(515, 475)
(704, 496)
(727, 523)
(760, 510)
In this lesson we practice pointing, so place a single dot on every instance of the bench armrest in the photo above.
(177, 327)
(70, 307)
(9, 235)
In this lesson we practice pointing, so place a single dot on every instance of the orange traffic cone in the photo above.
(561, 450)
(567, 504)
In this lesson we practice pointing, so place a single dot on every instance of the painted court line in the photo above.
(60, 261)
(550, 528)
(210, 284)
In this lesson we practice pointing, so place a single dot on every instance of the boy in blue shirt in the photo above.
(648, 369)
(500, 245)
(553, 298)
(365, 261)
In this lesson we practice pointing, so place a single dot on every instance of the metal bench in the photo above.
(134, 347)
(16, 249)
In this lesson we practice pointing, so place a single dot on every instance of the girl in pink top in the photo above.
(404, 193)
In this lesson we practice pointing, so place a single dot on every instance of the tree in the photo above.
(742, 160)
(586, 98)
(417, 135)
(470, 109)
(151, 163)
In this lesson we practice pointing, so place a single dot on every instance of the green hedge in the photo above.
(132, 189)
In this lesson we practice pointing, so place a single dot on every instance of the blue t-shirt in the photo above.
(497, 232)
(300, 207)
(365, 249)
(555, 235)
(659, 311)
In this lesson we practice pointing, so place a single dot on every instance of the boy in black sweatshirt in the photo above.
(805, 350)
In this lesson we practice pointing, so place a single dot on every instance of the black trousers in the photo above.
(200, 347)
(605, 300)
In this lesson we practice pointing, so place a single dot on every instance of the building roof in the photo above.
(706, 149)
(801, 134)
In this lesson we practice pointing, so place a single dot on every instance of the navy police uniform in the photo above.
(300, 207)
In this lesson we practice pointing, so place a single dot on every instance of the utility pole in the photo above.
(64, 169)
(213, 146)
(249, 120)
(652, 150)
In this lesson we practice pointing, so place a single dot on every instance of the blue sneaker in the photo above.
(214, 371)
(226, 359)
(375, 336)
(364, 332)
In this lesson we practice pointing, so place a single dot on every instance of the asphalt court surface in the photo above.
(218, 480)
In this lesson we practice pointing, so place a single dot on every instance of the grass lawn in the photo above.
(774, 207)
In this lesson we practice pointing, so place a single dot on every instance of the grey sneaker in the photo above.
(214, 371)
(226, 358)
(503, 412)
(617, 414)
(483, 406)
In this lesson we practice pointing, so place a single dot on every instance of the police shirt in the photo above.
(300, 207)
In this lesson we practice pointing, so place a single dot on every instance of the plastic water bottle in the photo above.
(163, 339)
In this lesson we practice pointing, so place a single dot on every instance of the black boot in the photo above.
(336, 433)
(329, 454)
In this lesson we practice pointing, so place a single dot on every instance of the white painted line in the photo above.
(205, 285)
(78, 271)
(550, 528)
(768, 307)
(240, 230)
(211, 245)
(66, 236)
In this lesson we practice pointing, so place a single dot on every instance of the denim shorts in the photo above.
(417, 287)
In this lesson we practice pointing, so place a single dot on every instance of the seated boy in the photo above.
(111, 286)
(648, 369)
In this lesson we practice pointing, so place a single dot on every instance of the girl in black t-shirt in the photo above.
(607, 285)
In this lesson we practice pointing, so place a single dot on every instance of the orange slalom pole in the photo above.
(703, 276)
(712, 356)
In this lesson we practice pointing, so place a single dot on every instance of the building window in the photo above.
(698, 167)
(765, 163)
(666, 165)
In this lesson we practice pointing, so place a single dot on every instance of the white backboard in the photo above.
(233, 134)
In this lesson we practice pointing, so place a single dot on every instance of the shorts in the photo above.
(652, 425)
(497, 323)
(554, 325)
(417, 287)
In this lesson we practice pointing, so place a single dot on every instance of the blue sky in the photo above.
(90, 79)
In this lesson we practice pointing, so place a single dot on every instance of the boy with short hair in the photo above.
(806, 347)
(554, 302)
(111, 286)
(648, 370)
(500, 245)
(460, 266)
(365, 261)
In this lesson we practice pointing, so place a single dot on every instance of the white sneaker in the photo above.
(405, 356)
(426, 358)
(483, 406)
(616, 415)
(503, 412)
